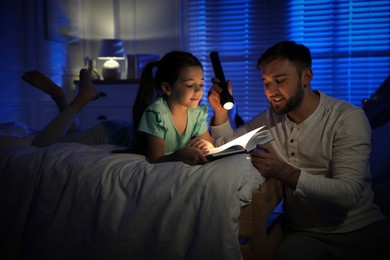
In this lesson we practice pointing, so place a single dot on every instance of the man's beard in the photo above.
(292, 103)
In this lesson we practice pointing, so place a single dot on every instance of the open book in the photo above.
(242, 144)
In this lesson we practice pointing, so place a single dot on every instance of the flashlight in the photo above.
(227, 100)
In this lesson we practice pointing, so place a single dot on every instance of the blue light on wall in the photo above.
(56, 60)
(350, 44)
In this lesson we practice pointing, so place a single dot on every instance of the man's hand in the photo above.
(264, 159)
(214, 97)
(214, 94)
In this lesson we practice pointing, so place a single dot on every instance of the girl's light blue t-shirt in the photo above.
(157, 121)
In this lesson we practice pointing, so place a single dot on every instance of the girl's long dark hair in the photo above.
(146, 93)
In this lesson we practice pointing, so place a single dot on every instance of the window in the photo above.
(349, 40)
(350, 44)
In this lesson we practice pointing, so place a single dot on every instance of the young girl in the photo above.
(173, 127)
(177, 72)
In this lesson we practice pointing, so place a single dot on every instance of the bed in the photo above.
(72, 201)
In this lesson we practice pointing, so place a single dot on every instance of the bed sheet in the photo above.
(72, 201)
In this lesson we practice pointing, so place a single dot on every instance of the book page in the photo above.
(241, 141)
(261, 137)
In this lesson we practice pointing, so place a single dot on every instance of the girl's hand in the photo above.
(200, 143)
(191, 156)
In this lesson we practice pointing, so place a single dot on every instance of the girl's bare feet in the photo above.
(40, 81)
(86, 88)
(87, 91)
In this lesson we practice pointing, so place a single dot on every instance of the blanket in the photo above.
(72, 201)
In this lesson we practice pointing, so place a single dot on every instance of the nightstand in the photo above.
(116, 98)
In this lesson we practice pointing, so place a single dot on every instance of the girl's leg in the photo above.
(40, 81)
(57, 128)
(92, 136)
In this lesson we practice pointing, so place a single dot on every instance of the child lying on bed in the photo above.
(64, 127)
(61, 128)
(174, 126)
(169, 75)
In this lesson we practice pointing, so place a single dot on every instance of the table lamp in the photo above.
(111, 50)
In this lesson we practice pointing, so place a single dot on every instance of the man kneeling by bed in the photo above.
(320, 152)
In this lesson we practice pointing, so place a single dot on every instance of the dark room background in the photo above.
(349, 40)
(350, 43)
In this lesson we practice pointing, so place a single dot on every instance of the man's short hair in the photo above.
(296, 53)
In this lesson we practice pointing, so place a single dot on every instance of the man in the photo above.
(320, 153)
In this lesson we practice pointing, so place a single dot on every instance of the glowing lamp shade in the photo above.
(111, 50)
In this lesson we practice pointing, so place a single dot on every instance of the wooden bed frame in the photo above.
(259, 227)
